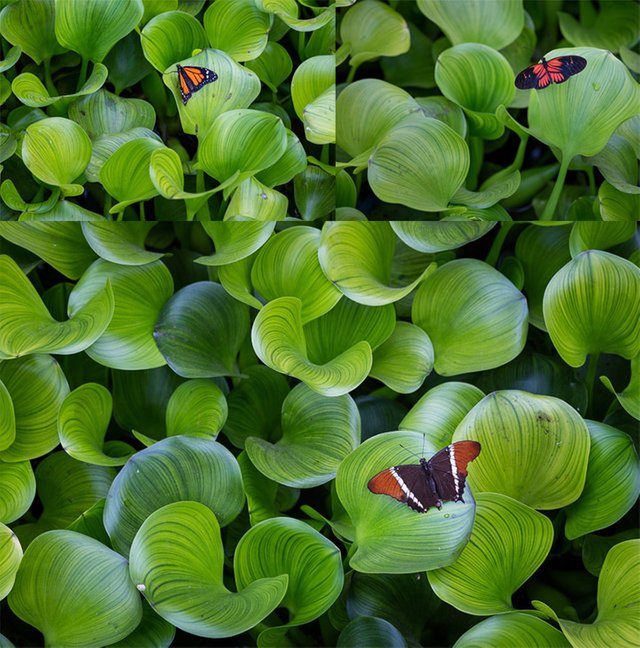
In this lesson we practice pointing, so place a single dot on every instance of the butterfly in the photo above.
(557, 70)
(192, 78)
(432, 481)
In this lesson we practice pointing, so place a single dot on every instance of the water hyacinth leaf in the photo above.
(287, 11)
(318, 432)
(629, 397)
(438, 237)
(404, 360)
(291, 547)
(390, 537)
(94, 27)
(440, 410)
(237, 27)
(542, 439)
(595, 548)
(359, 260)
(475, 317)
(598, 236)
(366, 110)
(292, 162)
(11, 58)
(234, 241)
(616, 205)
(294, 253)
(494, 189)
(153, 630)
(178, 468)
(7, 419)
(126, 63)
(532, 182)
(30, 26)
(512, 629)
(120, 243)
(236, 279)
(191, 326)
(414, 69)
(196, 407)
(612, 484)
(37, 386)
(89, 523)
(244, 141)
(254, 201)
(17, 489)
(577, 307)
(580, 117)
(419, 164)
(139, 294)
(278, 338)
(255, 405)
(371, 29)
(508, 543)
(618, 164)
(479, 79)
(75, 590)
(57, 151)
(618, 596)
(10, 558)
(177, 560)
(315, 193)
(171, 36)
(370, 632)
(491, 22)
(273, 66)
(319, 118)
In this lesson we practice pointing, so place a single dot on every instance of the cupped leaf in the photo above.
(359, 259)
(420, 164)
(175, 469)
(579, 309)
(177, 560)
(139, 294)
(475, 317)
(254, 201)
(234, 241)
(318, 432)
(370, 632)
(315, 193)
(93, 27)
(37, 386)
(492, 22)
(287, 12)
(10, 557)
(273, 66)
(238, 27)
(200, 330)
(618, 164)
(120, 243)
(544, 441)
(508, 543)
(7, 419)
(319, 118)
(76, 591)
(83, 420)
(371, 29)
(196, 407)
(292, 162)
(612, 483)
(588, 235)
(287, 265)
(291, 547)
(278, 339)
(437, 237)
(153, 630)
(629, 397)
(17, 489)
(616, 205)
(389, 536)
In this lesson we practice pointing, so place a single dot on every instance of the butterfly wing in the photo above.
(535, 76)
(406, 483)
(562, 67)
(192, 78)
(449, 468)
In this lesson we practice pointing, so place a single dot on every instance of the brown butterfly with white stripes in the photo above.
(431, 482)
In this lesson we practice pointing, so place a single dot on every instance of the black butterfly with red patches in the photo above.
(557, 70)
(431, 482)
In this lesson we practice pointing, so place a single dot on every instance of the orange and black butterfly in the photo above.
(192, 78)
(557, 70)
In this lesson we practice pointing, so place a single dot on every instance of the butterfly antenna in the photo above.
(410, 452)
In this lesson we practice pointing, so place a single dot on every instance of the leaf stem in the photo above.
(496, 246)
(590, 379)
(552, 203)
(48, 79)
(352, 73)
(82, 77)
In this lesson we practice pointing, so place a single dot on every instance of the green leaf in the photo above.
(419, 164)
(371, 29)
(7, 420)
(178, 468)
(292, 162)
(93, 27)
(629, 397)
(10, 557)
(120, 243)
(437, 237)
(612, 484)
(508, 543)
(83, 420)
(544, 441)
(37, 386)
(598, 236)
(234, 241)
(313, 565)
(196, 407)
(319, 118)
(237, 27)
(318, 432)
(139, 294)
(315, 193)
(287, 11)
(273, 66)
(287, 265)
(389, 536)
(370, 632)
(475, 317)
(616, 205)
(592, 305)
(595, 548)
(76, 591)
(254, 201)
(17, 488)
(153, 630)
(618, 164)
(491, 22)
(177, 562)
(359, 259)
(191, 325)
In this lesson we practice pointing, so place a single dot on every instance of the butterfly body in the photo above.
(432, 481)
(556, 70)
(191, 78)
